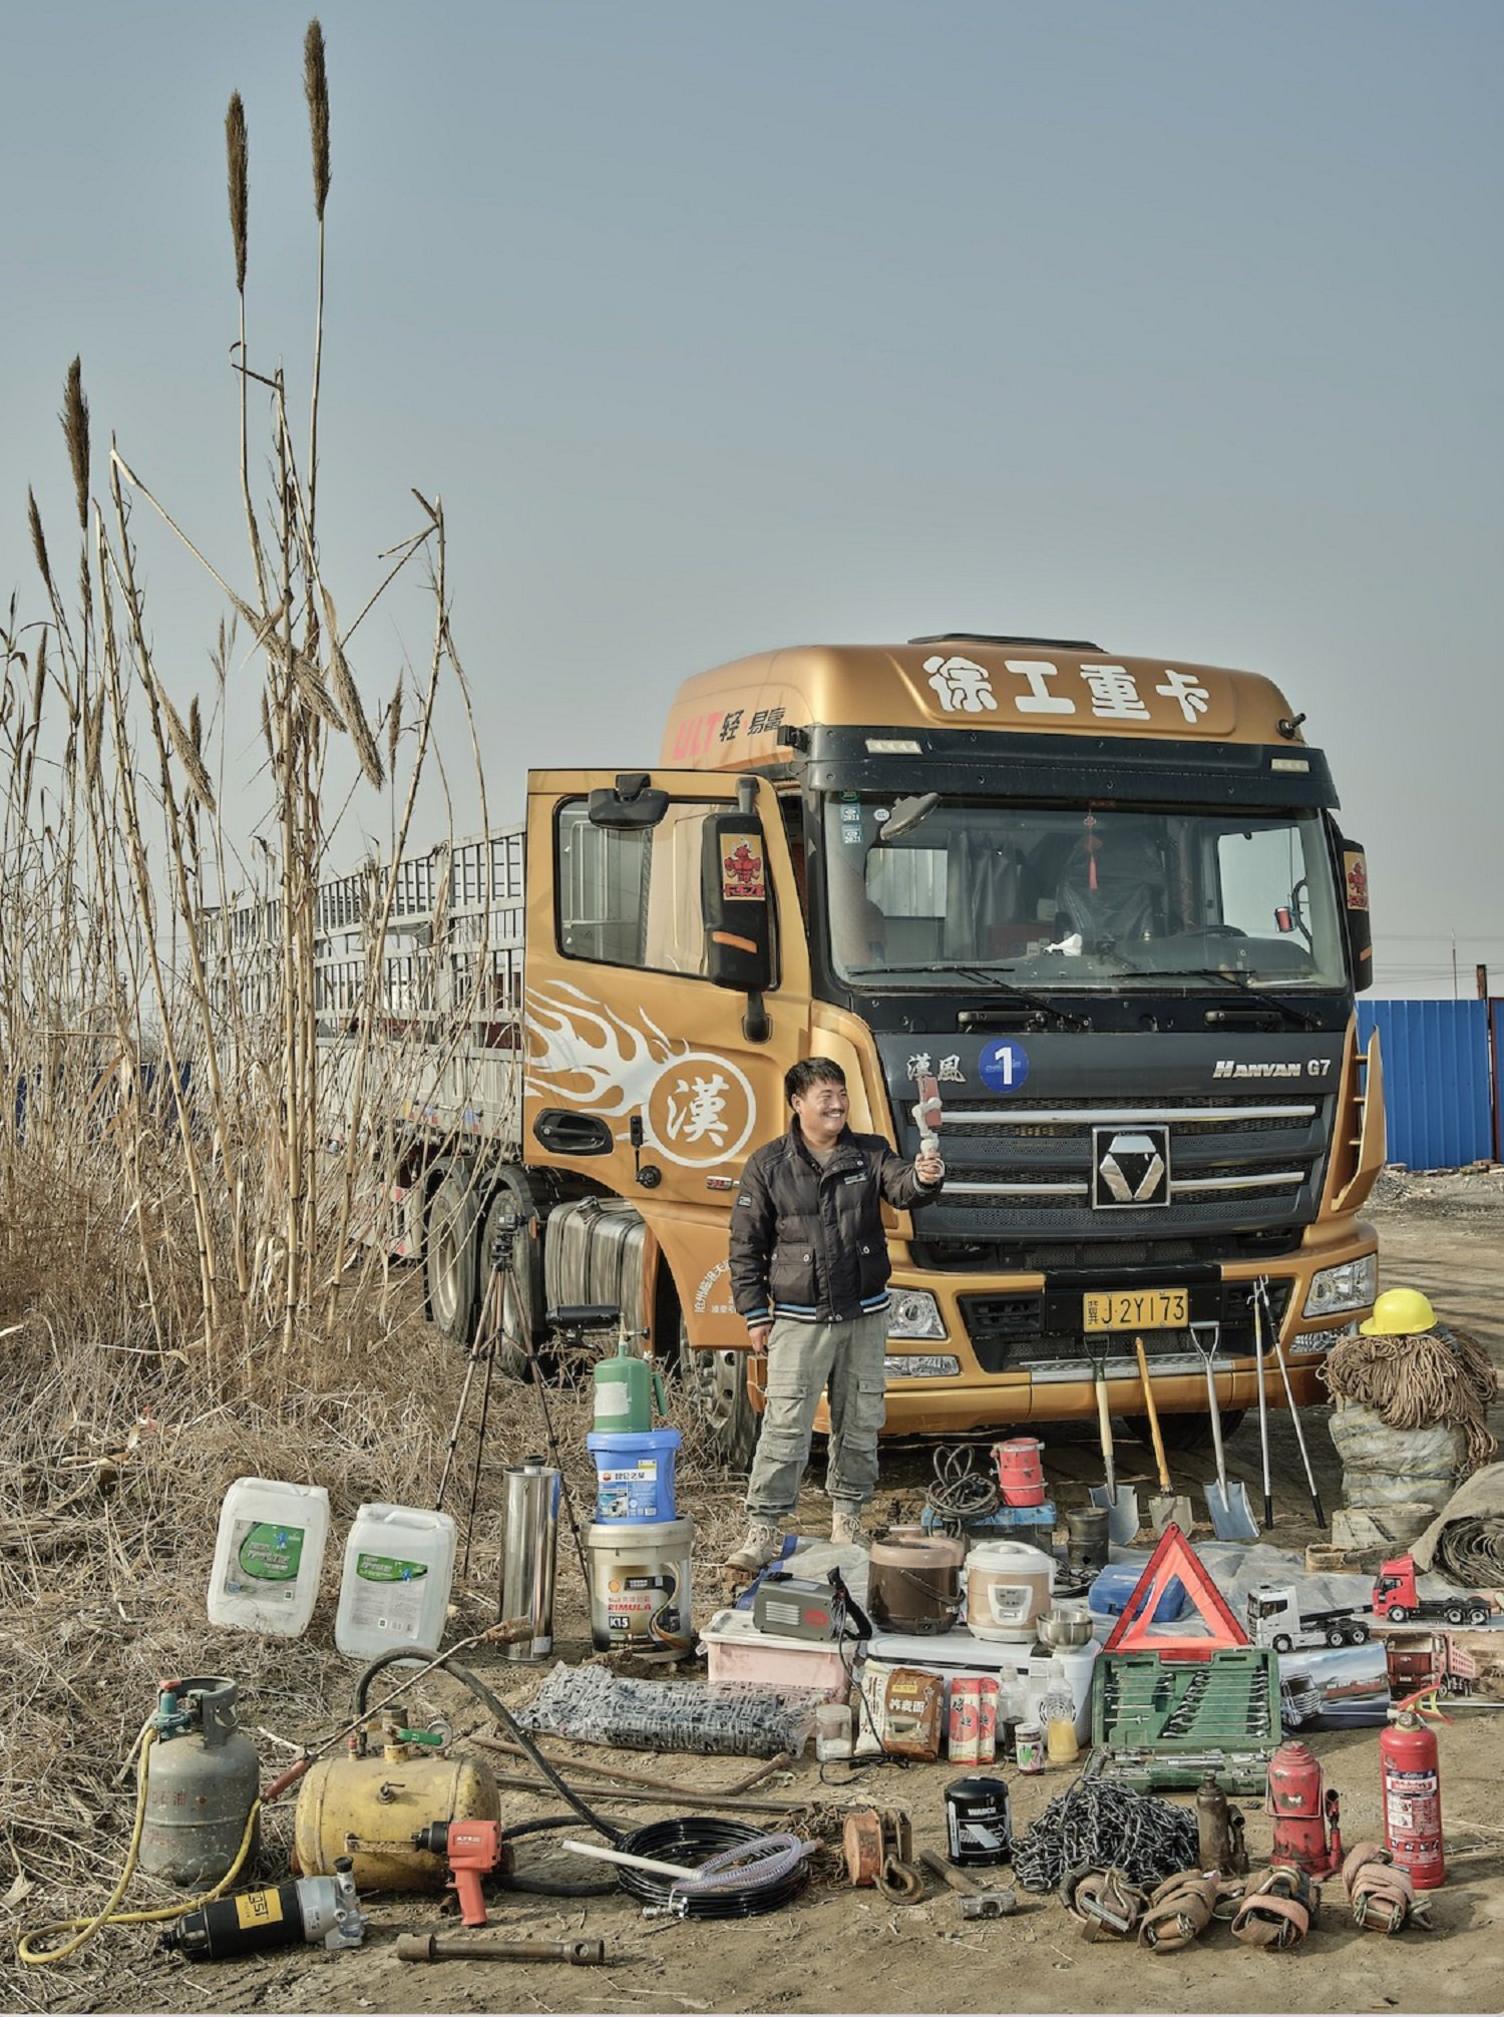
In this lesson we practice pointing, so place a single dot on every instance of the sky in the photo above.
(724, 327)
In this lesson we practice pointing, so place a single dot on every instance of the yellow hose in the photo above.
(84, 1929)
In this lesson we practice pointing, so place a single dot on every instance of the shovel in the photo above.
(1300, 1434)
(1226, 1504)
(1164, 1505)
(1119, 1502)
(1258, 1359)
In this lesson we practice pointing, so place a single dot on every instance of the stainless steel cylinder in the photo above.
(529, 1553)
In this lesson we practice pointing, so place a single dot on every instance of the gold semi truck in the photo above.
(1105, 902)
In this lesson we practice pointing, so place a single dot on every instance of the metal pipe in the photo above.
(439, 1947)
(530, 1553)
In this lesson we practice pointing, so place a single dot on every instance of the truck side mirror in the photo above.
(734, 902)
(1356, 912)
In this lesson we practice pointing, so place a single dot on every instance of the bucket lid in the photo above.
(640, 1533)
(621, 1441)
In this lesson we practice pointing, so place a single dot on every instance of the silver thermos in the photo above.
(528, 1553)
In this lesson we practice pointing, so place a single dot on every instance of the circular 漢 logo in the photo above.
(700, 1110)
(1003, 1065)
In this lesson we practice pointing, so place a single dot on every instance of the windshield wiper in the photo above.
(1244, 985)
(988, 976)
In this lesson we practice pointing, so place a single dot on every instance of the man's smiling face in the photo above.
(822, 1111)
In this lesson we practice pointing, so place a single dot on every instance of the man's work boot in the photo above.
(763, 1544)
(846, 1529)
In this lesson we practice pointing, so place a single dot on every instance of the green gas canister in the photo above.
(628, 1391)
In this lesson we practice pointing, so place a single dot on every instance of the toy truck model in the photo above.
(1104, 901)
(1429, 1661)
(1395, 1598)
(1275, 1619)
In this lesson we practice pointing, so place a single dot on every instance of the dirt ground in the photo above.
(840, 1950)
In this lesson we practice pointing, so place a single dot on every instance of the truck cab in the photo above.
(1104, 901)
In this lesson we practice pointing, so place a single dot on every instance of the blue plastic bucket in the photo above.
(634, 1474)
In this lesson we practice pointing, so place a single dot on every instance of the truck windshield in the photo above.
(1081, 897)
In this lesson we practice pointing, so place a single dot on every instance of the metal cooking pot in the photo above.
(1064, 1627)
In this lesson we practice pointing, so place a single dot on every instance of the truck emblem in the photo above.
(1131, 1168)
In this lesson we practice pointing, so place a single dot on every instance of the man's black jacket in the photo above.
(808, 1243)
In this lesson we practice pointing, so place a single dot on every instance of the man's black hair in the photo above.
(800, 1077)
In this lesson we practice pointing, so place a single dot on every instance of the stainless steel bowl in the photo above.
(1062, 1627)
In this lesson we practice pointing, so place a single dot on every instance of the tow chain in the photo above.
(1099, 1825)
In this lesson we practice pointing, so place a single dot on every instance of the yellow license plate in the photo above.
(1135, 1309)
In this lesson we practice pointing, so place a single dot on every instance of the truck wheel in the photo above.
(715, 1384)
(1477, 1614)
(1184, 1434)
(1454, 1614)
(522, 1296)
(450, 1261)
(1397, 1614)
(1283, 1643)
(1358, 1635)
(1336, 1636)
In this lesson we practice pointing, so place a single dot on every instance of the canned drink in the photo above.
(964, 1731)
(1029, 1741)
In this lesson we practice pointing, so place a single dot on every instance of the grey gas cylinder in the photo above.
(203, 1777)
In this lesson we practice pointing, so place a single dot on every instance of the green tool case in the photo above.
(1159, 1724)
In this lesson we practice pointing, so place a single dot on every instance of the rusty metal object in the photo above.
(440, 1947)
(878, 1844)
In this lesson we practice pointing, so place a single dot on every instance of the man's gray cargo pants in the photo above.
(802, 1360)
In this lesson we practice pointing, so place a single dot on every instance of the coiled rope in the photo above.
(1441, 1376)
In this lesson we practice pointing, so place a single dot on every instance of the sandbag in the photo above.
(1385, 1467)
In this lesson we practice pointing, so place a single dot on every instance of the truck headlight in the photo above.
(1353, 1286)
(914, 1313)
(922, 1366)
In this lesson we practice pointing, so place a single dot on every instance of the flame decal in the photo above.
(575, 1038)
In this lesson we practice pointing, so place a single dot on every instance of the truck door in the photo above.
(643, 1074)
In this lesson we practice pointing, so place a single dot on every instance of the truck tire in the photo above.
(1184, 1434)
(1477, 1614)
(451, 1272)
(1397, 1614)
(715, 1384)
(522, 1306)
(1455, 1614)
(1283, 1643)
(1358, 1634)
(1337, 1636)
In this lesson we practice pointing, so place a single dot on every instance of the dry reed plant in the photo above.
(199, 1131)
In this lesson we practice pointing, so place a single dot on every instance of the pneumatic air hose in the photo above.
(504, 1716)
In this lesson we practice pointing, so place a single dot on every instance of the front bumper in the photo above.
(1021, 1359)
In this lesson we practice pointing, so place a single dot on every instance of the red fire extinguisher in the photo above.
(1410, 1785)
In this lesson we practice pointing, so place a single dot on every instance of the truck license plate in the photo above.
(1135, 1309)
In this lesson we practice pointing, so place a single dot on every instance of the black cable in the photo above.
(516, 1830)
(504, 1716)
(549, 1887)
(691, 1840)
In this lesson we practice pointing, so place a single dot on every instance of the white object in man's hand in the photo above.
(928, 1167)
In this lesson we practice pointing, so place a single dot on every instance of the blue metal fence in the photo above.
(1438, 1092)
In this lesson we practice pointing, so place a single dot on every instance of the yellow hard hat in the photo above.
(1399, 1313)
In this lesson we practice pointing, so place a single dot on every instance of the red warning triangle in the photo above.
(1174, 1556)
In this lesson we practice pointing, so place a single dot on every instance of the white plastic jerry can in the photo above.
(268, 1556)
(394, 1594)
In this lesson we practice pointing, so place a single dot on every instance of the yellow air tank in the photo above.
(371, 1807)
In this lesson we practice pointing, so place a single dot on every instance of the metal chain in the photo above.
(1101, 1825)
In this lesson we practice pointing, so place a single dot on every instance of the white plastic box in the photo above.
(736, 1651)
(268, 1556)
(394, 1595)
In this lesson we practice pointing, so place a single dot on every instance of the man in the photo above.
(809, 1274)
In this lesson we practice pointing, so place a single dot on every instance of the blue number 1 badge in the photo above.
(1004, 1065)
